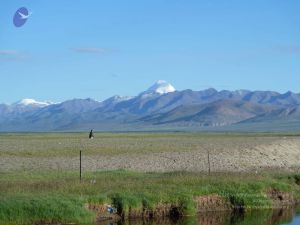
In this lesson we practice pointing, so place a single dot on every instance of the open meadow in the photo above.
(143, 175)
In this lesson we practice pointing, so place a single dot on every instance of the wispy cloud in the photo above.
(256, 53)
(114, 75)
(287, 49)
(92, 50)
(11, 55)
(8, 52)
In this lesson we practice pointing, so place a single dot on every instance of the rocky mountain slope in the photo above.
(159, 106)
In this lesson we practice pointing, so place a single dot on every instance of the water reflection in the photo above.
(296, 220)
(275, 217)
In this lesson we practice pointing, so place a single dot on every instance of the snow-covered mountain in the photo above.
(159, 106)
(31, 102)
(160, 87)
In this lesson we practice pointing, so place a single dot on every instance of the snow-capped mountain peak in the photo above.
(160, 87)
(32, 102)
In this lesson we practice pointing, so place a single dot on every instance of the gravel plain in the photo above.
(150, 152)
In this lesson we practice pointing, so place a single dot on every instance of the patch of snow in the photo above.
(119, 98)
(32, 102)
(242, 92)
(160, 87)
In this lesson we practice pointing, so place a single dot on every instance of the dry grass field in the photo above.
(158, 152)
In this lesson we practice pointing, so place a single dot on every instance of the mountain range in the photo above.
(161, 107)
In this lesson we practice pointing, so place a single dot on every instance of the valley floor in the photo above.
(143, 174)
(160, 152)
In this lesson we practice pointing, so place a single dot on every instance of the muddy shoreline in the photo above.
(203, 204)
(276, 216)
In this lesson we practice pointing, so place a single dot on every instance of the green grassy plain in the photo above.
(45, 196)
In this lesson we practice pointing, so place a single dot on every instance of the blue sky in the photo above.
(99, 48)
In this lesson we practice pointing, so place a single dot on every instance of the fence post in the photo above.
(208, 161)
(80, 164)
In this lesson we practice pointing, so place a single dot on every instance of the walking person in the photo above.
(91, 135)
